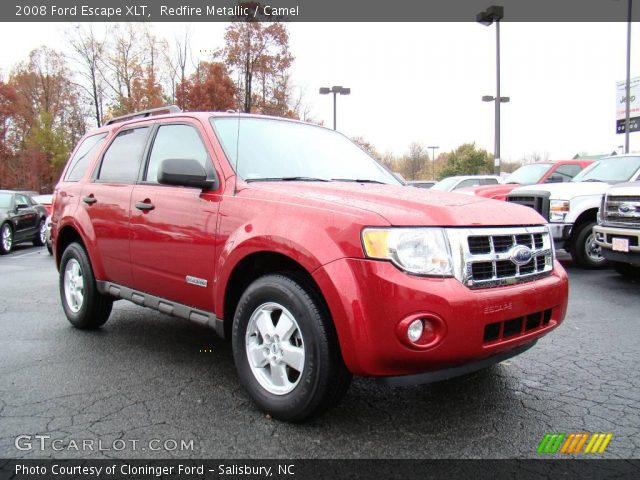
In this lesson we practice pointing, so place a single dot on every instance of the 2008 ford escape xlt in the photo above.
(312, 258)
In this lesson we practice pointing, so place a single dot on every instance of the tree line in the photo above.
(50, 100)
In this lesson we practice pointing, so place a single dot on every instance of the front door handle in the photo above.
(144, 206)
(90, 200)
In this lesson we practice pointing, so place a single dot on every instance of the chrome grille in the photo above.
(622, 210)
(486, 255)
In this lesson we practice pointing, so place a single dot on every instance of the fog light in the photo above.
(414, 332)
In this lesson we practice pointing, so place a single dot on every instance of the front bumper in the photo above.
(605, 236)
(560, 233)
(368, 299)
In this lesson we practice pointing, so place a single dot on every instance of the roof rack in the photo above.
(146, 113)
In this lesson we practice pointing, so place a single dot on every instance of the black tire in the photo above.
(627, 270)
(94, 308)
(584, 251)
(324, 379)
(41, 235)
(49, 249)
(6, 236)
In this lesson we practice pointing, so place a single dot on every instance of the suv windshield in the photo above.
(271, 149)
(528, 174)
(610, 170)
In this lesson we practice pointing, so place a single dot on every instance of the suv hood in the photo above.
(568, 190)
(398, 205)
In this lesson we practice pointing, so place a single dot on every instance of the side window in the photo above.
(121, 162)
(470, 182)
(79, 163)
(22, 200)
(567, 172)
(488, 181)
(175, 142)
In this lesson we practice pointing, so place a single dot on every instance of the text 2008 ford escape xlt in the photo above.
(313, 259)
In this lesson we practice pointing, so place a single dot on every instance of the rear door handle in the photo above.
(90, 200)
(145, 206)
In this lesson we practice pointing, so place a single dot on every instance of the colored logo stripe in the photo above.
(551, 442)
(574, 442)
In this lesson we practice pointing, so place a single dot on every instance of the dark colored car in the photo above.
(21, 220)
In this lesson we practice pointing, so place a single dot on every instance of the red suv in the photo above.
(313, 259)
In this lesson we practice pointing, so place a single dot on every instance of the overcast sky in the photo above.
(424, 81)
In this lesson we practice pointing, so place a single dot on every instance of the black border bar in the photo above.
(313, 10)
(324, 469)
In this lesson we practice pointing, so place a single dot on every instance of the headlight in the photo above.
(558, 210)
(422, 251)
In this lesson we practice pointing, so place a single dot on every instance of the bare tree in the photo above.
(89, 52)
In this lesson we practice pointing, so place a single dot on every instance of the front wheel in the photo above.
(84, 306)
(286, 350)
(585, 252)
(6, 238)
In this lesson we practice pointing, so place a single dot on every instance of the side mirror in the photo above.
(555, 179)
(185, 173)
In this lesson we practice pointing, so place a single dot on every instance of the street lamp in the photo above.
(433, 162)
(336, 89)
(495, 13)
(628, 92)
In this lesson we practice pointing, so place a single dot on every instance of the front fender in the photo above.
(579, 205)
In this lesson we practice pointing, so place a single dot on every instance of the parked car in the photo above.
(421, 183)
(44, 200)
(572, 207)
(450, 184)
(21, 220)
(313, 259)
(618, 229)
(540, 172)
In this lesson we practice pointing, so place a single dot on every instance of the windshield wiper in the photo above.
(593, 180)
(358, 180)
(287, 179)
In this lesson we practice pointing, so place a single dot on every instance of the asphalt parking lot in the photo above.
(145, 376)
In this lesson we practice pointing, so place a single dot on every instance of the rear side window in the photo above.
(488, 181)
(80, 161)
(121, 162)
(567, 172)
(180, 142)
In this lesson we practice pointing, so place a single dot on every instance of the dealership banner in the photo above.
(634, 105)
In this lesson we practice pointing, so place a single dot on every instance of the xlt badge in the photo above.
(201, 282)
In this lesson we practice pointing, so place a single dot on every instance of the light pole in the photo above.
(433, 162)
(336, 89)
(628, 92)
(495, 13)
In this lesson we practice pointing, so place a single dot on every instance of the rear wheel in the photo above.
(83, 305)
(6, 238)
(586, 253)
(627, 270)
(286, 350)
(41, 237)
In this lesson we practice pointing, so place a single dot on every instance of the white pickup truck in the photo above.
(618, 229)
(572, 207)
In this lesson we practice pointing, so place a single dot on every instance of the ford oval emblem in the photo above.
(520, 254)
(626, 208)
